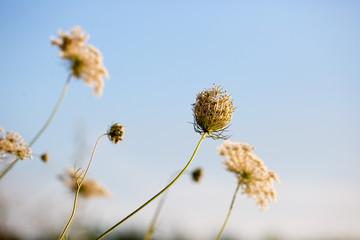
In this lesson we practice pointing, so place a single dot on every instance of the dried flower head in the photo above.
(252, 174)
(116, 133)
(197, 174)
(45, 157)
(86, 61)
(89, 188)
(213, 111)
(12, 145)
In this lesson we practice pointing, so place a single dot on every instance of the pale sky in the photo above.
(292, 68)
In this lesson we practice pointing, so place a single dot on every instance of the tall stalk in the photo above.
(159, 193)
(47, 123)
(78, 189)
(227, 217)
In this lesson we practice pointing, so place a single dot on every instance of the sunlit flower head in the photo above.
(197, 174)
(116, 133)
(89, 188)
(213, 111)
(86, 61)
(252, 174)
(12, 145)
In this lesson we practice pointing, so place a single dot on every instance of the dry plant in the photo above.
(85, 62)
(212, 114)
(253, 177)
(115, 133)
(213, 111)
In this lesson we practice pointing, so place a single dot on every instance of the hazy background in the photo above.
(292, 68)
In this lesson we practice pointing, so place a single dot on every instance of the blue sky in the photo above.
(292, 68)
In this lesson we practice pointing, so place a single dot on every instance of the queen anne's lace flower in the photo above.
(12, 145)
(89, 188)
(252, 174)
(86, 61)
(213, 111)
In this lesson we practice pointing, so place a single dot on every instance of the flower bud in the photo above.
(116, 133)
(197, 174)
(45, 157)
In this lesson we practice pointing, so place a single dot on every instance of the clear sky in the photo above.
(292, 68)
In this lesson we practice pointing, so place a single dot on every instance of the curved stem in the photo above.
(8, 168)
(159, 193)
(53, 113)
(227, 217)
(78, 190)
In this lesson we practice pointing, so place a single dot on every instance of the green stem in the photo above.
(227, 217)
(158, 194)
(78, 190)
(8, 168)
(156, 215)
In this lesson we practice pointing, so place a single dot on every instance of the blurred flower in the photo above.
(86, 61)
(45, 157)
(89, 188)
(213, 111)
(252, 174)
(12, 145)
(116, 133)
(197, 174)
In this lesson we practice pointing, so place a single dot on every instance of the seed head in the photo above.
(116, 133)
(213, 111)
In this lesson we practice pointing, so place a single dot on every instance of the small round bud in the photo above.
(45, 157)
(197, 174)
(116, 133)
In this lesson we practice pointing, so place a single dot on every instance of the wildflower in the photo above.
(12, 145)
(85, 60)
(116, 133)
(45, 157)
(89, 188)
(213, 111)
(197, 174)
(252, 175)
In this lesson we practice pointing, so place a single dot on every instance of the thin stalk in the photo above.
(159, 193)
(156, 216)
(227, 217)
(65, 89)
(78, 190)
(10, 161)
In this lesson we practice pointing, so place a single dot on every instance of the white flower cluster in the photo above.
(253, 176)
(12, 145)
(86, 60)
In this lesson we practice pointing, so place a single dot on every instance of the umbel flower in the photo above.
(13, 146)
(86, 61)
(213, 111)
(89, 188)
(252, 175)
